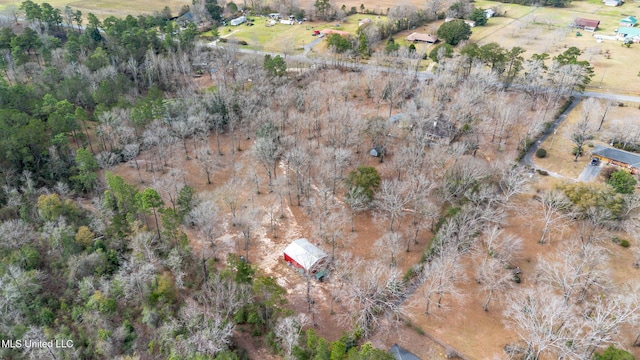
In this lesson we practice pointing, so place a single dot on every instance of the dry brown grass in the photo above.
(106, 8)
(560, 145)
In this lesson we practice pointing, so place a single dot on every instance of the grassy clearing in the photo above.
(559, 147)
(547, 30)
(288, 38)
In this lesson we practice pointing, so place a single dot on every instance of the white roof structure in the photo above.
(306, 255)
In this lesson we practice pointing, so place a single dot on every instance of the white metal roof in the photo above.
(304, 253)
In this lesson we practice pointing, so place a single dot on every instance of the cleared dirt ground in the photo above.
(465, 326)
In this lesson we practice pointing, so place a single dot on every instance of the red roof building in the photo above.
(586, 24)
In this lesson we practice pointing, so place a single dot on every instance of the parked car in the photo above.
(595, 162)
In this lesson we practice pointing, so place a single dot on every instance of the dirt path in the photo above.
(507, 24)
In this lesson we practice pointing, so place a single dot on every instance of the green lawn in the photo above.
(288, 38)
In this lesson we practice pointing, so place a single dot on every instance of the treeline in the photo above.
(55, 84)
(553, 3)
(98, 261)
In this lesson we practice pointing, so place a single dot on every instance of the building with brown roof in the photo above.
(586, 24)
(428, 38)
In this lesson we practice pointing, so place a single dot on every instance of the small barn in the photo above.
(427, 38)
(489, 13)
(238, 21)
(377, 151)
(586, 24)
(307, 257)
(621, 158)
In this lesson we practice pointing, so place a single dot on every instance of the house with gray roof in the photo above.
(613, 156)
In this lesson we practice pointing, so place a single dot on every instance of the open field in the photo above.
(540, 30)
(535, 29)
(546, 30)
(288, 38)
(105, 8)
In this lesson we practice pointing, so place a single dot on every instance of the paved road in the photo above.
(589, 173)
(310, 45)
(618, 97)
(527, 159)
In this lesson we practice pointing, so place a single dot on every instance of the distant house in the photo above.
(428, 38)
(364, 22)
(489, 13)
(629, 21)
(238, 21)
(400, 353)
(185, 19)
(468, 22)
(629, 34)
(331, 31)
(613, 2)
(586, 24)
(306, 257)
(624, 159)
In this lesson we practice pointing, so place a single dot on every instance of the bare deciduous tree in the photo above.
(209, 333)
(357, 201)
(440, 277)
(575, 272)
(222, 295)
(390, 244)
(267, 151)
(555, 209)
(205, 217)
(130, 152)
(494, 278)
(392, 199)
(370, 290)
(602, 320)
(288, 331)
(541, 319)
(582, 130)
(248, 221)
